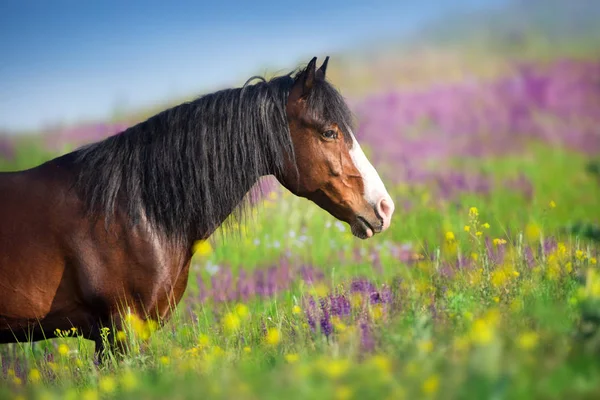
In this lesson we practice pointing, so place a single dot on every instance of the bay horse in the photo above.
(114, 222)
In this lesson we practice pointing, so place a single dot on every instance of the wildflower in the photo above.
(273, 336)
(291, 357)
(338, 324)
(382, 363)
(202, 248)
(320, 290)
(231, 322)
(450, 236)
(17, 381)
(593, 260)
(486, 225)
(296, 309)
(532, 232)
(431, 385)
(474, 256)
(241, 310)
(552, 204)
(63, 349)
(164, 360)
(425, 346)
(478, 233)
(580, 255)
(343, 393)
(247, 349)
(203, 341)
(496, 299)
(89, 394)
(377, 312)
(35, 376)
(121, 336)
(482, 332)
(107, 384)
(498, 242)
(528, 340)
(467, 228)
(128, 380)
(473, 212)
(336, 368)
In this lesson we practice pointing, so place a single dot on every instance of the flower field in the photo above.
(486, 285)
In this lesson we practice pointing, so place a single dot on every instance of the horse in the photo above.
(114, 222)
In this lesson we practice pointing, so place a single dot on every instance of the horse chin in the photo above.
(361, 229)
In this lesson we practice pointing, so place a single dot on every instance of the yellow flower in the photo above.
(63, 349)
(107, 384)
(164, 360)
(203, 341)
(202, 248)
(497, 299)
(296, 309)
(552, 204)
(17, 381)
(35, 376)
(482, 332)
(319, 290)
(528, 340)
(431, 385)
(449, 236)
(231, 322)
(336, 368)
(241, 310)
(532, 232)
(467, 228)
(273, 336)
(426, 346)
(89, 394)
(473, 212)
(121, 336)
(486, 225)
(343, 393)
(593, 260)
(247, 349)
(580, 255)
(382, 363)
(338, 324)
(498, 242)
(291, 357)
(478, 233)
(377, 312)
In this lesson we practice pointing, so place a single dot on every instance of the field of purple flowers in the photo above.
(485, 286)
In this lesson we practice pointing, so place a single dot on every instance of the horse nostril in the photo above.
(385, 209)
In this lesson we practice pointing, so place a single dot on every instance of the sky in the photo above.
(65, 61)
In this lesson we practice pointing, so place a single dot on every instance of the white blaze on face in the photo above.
(375, 192)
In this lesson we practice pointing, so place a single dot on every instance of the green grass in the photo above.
(490, 331)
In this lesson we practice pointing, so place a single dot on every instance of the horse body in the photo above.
(72, 271)
(109, 228)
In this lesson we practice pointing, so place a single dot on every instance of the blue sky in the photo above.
(63, 61)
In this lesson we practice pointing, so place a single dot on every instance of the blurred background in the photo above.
(429, 81)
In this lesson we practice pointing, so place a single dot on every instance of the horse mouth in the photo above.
(362, 229)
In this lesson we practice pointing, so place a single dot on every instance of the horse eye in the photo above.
(330, 134)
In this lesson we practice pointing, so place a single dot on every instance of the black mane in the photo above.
(187, 168)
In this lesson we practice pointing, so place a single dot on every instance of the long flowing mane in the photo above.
(187, 168)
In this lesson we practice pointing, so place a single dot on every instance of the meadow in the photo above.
(486, 285)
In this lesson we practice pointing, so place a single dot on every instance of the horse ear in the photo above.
(309, 75)
(305, 81)
(321, 71)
